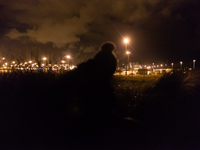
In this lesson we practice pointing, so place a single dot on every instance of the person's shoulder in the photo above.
(87, 63)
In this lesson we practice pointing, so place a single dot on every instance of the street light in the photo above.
(194, 64)
(63, 64)
(128, 53)
(68, 57)
(44, 58)
(13, 62)
(30, 64)
(152, 65)
(181, 64)
(126, 40)
(172, 65)
(126, 43)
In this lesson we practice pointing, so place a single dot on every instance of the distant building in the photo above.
(161, 70)
(136, 68)
(143, 71)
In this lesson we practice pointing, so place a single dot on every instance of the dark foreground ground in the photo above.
(47, 111)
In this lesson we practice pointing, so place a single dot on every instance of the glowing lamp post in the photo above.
(194, 61)
(181, 64)
(62, 67)
(44, 59)
(68, 57)
(13, 62)
(30, 64)
(172, 65)
(127, 52)
(126, 41)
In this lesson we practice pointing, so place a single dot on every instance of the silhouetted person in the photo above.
(103, 65)
(84, 94)
(97, 72)
(93, 78)
(105, 60)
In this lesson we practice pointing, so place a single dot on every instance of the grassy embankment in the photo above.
(129, 90)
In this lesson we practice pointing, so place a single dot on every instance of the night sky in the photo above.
(159, 31)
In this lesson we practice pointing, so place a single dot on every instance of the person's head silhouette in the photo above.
(108, 46)
(105, 60)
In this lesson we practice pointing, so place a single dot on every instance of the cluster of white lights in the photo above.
(33, 65)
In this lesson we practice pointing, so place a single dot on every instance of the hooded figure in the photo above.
(102, 66)
(105, 60)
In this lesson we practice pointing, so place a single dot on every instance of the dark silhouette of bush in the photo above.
(170, 111)
(44, 108)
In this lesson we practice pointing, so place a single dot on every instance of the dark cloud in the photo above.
(158, 29)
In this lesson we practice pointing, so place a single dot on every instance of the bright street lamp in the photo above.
(172, 65)
(44, 58)
(45, 64)
(194, 64)
(126, 40)
(128, 53)
(181, 64)
(68, 57)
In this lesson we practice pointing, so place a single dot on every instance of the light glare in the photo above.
(126, 40)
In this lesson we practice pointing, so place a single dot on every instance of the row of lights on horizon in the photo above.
(126, 41)
(161, 65)
(181, 64)
(30, 61)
